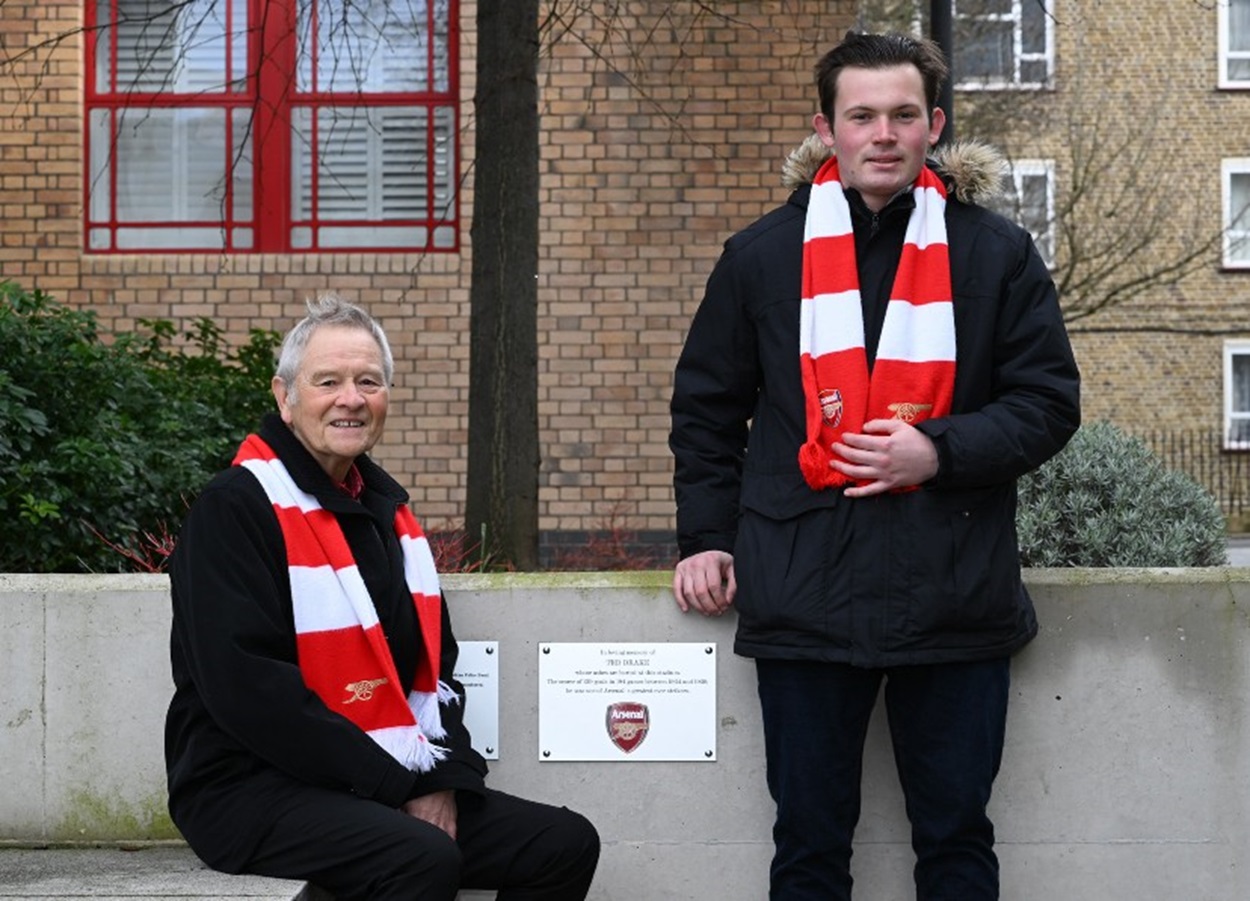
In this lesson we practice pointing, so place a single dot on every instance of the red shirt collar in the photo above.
(354, 484)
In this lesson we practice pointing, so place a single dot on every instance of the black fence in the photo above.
(1200, 453)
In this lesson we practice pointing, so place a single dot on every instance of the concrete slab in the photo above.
(22, 703)
(83, 802)
(112, 874)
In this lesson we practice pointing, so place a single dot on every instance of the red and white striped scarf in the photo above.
(913, 376)
(343, 655)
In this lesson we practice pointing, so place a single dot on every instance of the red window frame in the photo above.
(269, 93)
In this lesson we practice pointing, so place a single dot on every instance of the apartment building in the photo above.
(1128, 130)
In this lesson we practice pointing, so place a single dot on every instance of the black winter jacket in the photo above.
(925, 576)
(243, 733)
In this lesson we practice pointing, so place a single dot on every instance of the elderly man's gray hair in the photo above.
(328, 309)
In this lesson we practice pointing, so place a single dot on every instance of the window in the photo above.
(1237, 395)
(1029, 200)
(1236, 190)
(278, 126)
(1234, 43)
(1001, 44)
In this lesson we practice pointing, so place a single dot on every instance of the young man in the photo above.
(872, 367)
(316, 730)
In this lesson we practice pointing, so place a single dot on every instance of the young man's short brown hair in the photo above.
(880, 51)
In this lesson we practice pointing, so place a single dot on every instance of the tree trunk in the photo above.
(501, 510)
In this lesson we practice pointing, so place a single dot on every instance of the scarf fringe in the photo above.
(425, 707)
(410, 747)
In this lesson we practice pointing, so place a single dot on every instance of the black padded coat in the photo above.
(243, 734)
(924, 576)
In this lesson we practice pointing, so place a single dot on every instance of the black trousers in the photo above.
(359, 850)
(947, 723)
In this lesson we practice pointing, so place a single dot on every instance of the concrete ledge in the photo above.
(1127, 771)
(159, 872)
(153, 872)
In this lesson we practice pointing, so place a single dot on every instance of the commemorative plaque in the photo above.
(627, 701)
(477, 669)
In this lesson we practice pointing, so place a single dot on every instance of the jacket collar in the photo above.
(973, 171)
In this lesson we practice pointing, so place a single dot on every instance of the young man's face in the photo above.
(881, 130)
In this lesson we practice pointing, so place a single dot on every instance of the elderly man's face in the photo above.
(338, 404)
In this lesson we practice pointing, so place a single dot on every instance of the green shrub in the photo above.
(1106, 500)
(103, 445)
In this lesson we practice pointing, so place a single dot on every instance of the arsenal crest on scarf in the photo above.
(913, 376)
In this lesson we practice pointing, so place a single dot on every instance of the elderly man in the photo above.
(316, 730)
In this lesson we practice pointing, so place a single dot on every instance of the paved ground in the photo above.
(1239, 550)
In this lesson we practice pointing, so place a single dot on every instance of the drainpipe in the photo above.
(940, 30)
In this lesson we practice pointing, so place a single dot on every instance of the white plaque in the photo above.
(477, 669)
(627, 701)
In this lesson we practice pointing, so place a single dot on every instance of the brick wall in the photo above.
(664, 126)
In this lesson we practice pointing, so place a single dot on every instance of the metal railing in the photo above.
(1201, 454)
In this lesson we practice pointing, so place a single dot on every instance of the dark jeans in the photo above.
(947, 723)
(358, 850)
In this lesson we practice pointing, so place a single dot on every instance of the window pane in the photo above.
(171, 164)
(368, 45)
(170, 238)
(1239, 193)
(1239, 217)
(1238, 25)
(984, 50)
(1241, 383)
(1032, 27)
(160, 49)
(442, 45)
(445, 236)
(1033, 203)
(1238, 69)
(348, 164)
(302, 154)
(371, 163)
(1034, 71)
(341, 237)
(242, 169)
(444, 162)
(101, 140)
(983, 7)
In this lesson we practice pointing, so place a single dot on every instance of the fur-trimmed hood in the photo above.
(972, 171)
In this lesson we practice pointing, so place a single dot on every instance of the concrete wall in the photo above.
(1127, 772)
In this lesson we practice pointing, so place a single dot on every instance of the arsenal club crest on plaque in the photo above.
(628, 722)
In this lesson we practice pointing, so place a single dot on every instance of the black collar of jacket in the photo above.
(903, 200)
(310, 477)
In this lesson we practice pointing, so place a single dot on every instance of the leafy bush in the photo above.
(104, 444)
(1106, 500)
